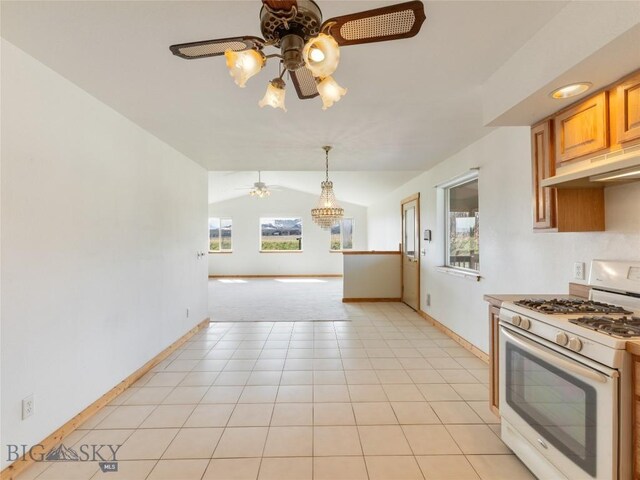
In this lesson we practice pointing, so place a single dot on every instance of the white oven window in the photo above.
(560, 407)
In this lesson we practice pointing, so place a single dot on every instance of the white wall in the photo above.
(513, 259)
(246, 259)
(101, 223)
(372, 276)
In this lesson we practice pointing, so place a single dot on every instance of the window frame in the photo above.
(341, 249)
(457, 182)
(220, 249)
(282, 217)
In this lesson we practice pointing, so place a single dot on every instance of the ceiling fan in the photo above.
(260, 189)
(309, 47)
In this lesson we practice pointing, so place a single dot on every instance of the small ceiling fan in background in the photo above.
(309, 47)
(260, 189)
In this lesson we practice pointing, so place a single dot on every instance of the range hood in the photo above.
(615, 167)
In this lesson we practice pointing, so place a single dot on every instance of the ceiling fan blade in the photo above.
(402, 20)
(284, 5)
(213, 48)
(304, 83)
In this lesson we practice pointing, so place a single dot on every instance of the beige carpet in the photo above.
(277, 300)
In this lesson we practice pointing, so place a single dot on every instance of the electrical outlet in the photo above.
(578, 270)
(28, 406)
(428, 299)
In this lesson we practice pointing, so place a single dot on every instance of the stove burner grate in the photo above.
(622, 327)
(559, 306)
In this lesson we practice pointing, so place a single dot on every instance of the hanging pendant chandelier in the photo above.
(327, 213)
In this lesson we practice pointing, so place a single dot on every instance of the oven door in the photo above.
(564, 405)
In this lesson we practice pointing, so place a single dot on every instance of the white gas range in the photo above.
(565, 377)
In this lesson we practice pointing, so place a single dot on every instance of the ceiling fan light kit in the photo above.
(274, 96)
(259, 188)
(321, 55)
(330, 92)
(309, 47)
(244, 65)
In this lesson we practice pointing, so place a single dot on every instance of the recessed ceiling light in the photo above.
(571, 90)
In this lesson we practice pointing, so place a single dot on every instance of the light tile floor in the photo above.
(383, 396)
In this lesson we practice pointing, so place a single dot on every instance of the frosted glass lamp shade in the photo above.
(244, 65)
(321, 55)
(330, 92)
(274, 97)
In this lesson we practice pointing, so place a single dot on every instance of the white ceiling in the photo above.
(360, 188)
(411, 103)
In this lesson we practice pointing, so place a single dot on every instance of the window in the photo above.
(342, 235)
(463, 225)
(280, 234)
(219, 234)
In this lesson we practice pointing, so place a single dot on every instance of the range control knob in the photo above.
(516, 319)
(525, 324)
(562, 339)
(575, 344)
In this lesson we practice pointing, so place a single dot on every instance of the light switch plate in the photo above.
(28, 407)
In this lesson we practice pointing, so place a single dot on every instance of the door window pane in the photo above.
(463, 226)
(410, 231)
(280, 234)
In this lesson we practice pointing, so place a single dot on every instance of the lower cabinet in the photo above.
(636, 417)
(494, 359)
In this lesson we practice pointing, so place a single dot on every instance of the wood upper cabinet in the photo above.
(628, 110)
(560, 210)
(582, 129)
(543, 166)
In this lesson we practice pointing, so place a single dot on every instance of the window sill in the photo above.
(457, 272)
(213, 252)
(280, 251)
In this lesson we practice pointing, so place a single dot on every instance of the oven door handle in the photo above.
(566, 363)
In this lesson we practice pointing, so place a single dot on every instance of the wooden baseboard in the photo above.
(356, 300)
(455, 337)
(319, 275)
(10, 472)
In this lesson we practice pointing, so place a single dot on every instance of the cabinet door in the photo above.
(635, 414)
(582, 129)
(494, 359)
(628, 111)
(543, 166)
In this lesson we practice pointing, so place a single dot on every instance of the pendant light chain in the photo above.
(326, 153)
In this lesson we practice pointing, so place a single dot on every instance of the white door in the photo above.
(411, 251)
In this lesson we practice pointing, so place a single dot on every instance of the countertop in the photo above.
(633, 347)
(371, 252)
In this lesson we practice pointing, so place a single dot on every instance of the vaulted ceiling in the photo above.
(360, 188)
